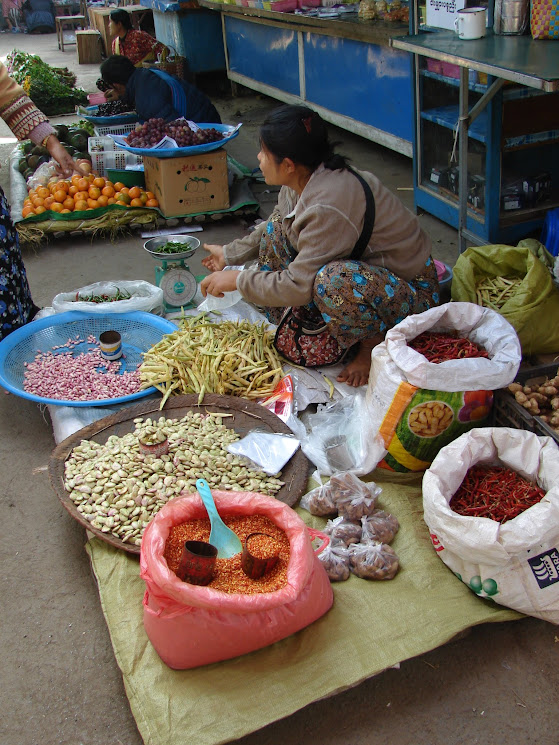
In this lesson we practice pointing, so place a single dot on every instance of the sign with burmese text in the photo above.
(442, 13)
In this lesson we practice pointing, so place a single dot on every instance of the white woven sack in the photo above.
(515, 564)
(144, 296)
(394, 363)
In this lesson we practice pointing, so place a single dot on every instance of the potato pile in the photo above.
(540, 399)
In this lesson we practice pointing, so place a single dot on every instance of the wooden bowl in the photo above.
(246, 416)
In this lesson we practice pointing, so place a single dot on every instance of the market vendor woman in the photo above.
(133, 43)
(303, 249)
(155, 94)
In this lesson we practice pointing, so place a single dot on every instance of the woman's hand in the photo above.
(216, 260)
(218, 283)
(111, 95)
(62, 156)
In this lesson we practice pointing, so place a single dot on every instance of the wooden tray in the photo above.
(247, 415)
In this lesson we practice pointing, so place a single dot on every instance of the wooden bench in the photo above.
(62, 22)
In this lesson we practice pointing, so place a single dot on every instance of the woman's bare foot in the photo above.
(356, 372)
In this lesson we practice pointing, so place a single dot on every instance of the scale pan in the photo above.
(154, 246)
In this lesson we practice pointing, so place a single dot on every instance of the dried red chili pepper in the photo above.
(495, 492)
(440, 346)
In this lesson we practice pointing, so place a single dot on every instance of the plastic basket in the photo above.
(174, 65)
(139, 331)
(101, 162)
(90, 115)
(507, 412)
(114, 129)
(100, 144)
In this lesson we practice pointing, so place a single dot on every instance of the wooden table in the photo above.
(73, 22)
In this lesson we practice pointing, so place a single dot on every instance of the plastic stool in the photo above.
(61, 22)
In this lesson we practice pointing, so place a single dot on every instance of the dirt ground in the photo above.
(60, 683)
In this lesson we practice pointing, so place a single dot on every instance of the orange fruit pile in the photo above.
(83, 193)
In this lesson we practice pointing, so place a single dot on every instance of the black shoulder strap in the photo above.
(369, 221)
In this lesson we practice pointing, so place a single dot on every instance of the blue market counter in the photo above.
(344, 68)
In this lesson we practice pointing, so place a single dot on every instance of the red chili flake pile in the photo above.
(494, 492)
(440, 346)
(229, 575)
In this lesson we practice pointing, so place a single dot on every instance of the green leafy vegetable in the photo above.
(51, 89)
(172, 247)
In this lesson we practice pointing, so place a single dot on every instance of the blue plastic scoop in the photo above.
(223, 538)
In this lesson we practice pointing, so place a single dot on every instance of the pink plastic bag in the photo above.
(191, 625)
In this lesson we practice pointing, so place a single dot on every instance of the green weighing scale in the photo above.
(178, 283)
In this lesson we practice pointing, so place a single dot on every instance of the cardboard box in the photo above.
(189, 185)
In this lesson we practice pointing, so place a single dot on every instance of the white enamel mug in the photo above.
(470, 23)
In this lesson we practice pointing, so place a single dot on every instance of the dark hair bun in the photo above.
(300, 134)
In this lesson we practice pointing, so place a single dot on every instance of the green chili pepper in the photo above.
(119, 295)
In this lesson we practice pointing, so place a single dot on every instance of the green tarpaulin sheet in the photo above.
(372, 626)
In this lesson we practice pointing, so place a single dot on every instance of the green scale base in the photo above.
(179, 285)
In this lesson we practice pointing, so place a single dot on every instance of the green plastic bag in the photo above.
(532, 309)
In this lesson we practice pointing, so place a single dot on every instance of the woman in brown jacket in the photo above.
(304, 249)
(26, 122)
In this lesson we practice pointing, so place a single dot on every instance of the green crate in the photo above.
(128, 178)
(507, 412)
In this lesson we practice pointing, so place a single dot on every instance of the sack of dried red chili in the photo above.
(515, 561)
(191, 625)
(417, 406)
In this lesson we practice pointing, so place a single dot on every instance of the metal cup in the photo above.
(154, 448)
(253, 564)
(111, 345)
(197, 564)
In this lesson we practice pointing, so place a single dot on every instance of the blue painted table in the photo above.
(519, 129)
(343, 68)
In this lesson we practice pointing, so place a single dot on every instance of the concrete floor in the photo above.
(60, 684)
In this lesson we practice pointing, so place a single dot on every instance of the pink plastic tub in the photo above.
(96, 98)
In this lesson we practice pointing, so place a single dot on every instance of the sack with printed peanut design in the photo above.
(415, 406)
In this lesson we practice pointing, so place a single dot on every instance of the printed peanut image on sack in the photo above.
(430, 421)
